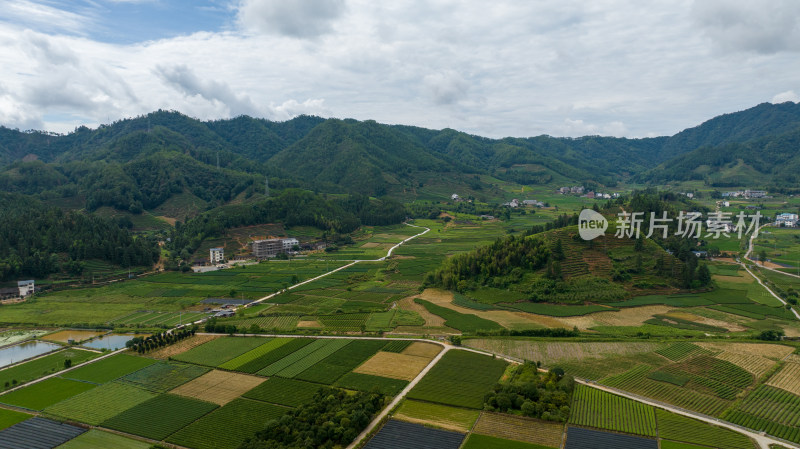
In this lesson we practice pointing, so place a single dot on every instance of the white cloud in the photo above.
(43, 16)
(295, 18)
(783, 97)
(565, 67)
(743, 25)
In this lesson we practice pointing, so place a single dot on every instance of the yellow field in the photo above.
(425, 350)
(309, 323)
(768, 350)
(788, 378)
(752, 363)
(392, 365)
(444, 416)
(219, 387)
(520, 429)
(182, 346)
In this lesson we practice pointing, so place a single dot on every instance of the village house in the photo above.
(263, 249)
(216, 255)
(26, 288)
(786, 220)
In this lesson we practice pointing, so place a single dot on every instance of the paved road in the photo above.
(744, 265)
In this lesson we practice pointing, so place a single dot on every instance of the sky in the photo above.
(503, 68)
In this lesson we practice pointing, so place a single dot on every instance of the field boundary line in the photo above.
(763, 440)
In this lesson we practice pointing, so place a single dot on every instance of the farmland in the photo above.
(160, 416)
(393, 365)
(331, 368)
(94, 439)
(219, 387)
(460, 379)
(42, 366)
(518, 428)
(687, 430)
(366, 382)
(437, 415)
(477, 441)
(9, 417)
(228, 426)
(601, 410)
(287, 392)
(109, 368)
(788, 378)
(219, 351)
(45, 393)
(163, 376)
(101, 403)
(770, 410)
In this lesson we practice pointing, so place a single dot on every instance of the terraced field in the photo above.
(771, 410)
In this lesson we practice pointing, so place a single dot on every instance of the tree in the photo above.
(704, 275)
(67, 363)
(762, 256)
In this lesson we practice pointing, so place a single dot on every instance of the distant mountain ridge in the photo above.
(141, 162)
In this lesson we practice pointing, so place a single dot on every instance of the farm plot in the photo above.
(707, 374)
(393, 365)
(596, 408)
(460, 321)
(341, 362)
(554, 353)
(681, 351)
(288, 392)
(219, 387)
(771, 410)
(344, 322)
(228, 426)
(578, 438)
(220, 350)
(460, 378)
(159, 417)
(510, 427)
(43, 366)
(163, 376)
(266, 322)
(636, 381)
(754, 364)
(38, 433)
(75, 335)
(101, 403)
(788, 378)
(397, 346)
(109, 368)
(301, 360)
(475, 441)
(181, 346)
(437, 415)
(403, 435)
(95, 439)
(262, 361)
(768, 350)
(366, 382)
(45, 393)
(249, 356)
(425, 350)
(688, 430)
(10, 417)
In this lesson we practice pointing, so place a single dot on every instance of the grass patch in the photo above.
(460, 321)
(43, 366)
(45, 393)
(10, 417)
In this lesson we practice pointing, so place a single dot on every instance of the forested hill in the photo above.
(140, 163)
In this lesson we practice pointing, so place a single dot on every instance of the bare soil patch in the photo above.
(393, 365)
(788, 378)
(219, 387)
(182, 346)
(771, 351)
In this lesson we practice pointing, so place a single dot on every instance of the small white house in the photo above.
(288, 244)
(786, 219)
(26, 288)
(216, 255)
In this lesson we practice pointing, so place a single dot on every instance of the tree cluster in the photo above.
(543, 395)
(146, 344)
(333, 418)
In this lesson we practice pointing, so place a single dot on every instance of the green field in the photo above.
(163, 376)
(101, 403)
(341, 362)
(680, 351)
(220, 350)
(159, 417)
(228, 426)
(43, 366)
(475, 441)
(94, 439)
(460, 378)
(595, 408)
(288, 392)
(9, 417)
(688, 430)
(460, 321)
(397, 346)
(45, 393)
(109, 368)
(313, 352)
(264, 360)
(367, 382)
(426, 411)
(771, 410)
(253, 354)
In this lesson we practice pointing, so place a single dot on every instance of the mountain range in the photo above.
(149, 161)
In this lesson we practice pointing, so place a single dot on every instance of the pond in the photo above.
(71, 334)
(111, 341)
(26, 350)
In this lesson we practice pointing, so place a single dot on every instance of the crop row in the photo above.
(596, 408)
(253, 354)
(681, 350)
(331, 368)
(688, 430)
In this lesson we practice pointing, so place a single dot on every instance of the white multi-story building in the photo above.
(26, 288)
(288, 244)
(788, 220)
(216, 255)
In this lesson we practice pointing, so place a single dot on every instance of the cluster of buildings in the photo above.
(600, 195)
(517, 203)
(745, 194)
(23, 290)
(787, 220)
(263, 249)
(580, 190)
(576, 190)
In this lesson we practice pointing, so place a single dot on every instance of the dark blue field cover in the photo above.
(403, 435)
(578, 438)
